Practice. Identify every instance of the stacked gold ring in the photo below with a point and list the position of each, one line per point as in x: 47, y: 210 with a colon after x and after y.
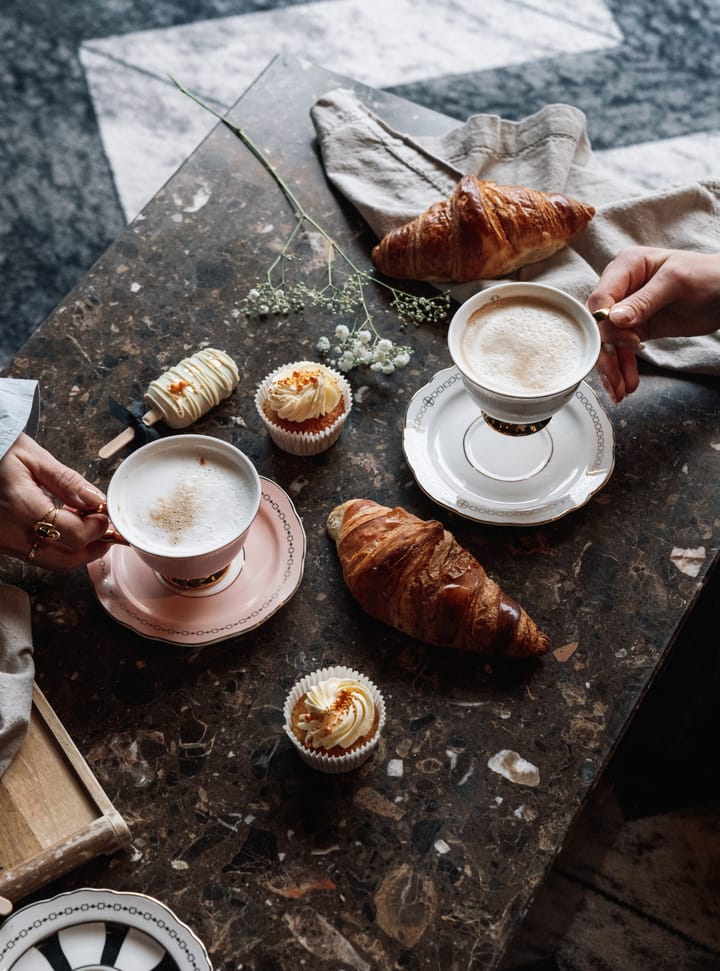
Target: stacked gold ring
x: 45, y: 528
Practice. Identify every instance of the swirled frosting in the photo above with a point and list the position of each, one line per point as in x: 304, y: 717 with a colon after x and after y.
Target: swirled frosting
x: 187, y: 391
x: 338, y: 712
x: 305, y: 392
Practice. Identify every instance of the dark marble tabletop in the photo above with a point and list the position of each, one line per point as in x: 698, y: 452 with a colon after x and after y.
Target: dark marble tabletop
x: 424, y: 857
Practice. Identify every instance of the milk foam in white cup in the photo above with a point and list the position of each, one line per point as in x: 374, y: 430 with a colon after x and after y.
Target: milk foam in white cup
x: 185, y: 504
x: 523, y: 349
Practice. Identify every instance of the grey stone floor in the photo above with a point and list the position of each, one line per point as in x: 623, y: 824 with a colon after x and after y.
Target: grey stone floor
x: 654, y: 902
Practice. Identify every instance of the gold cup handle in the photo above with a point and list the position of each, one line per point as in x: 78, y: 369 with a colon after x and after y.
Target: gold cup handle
x: 112, y: 536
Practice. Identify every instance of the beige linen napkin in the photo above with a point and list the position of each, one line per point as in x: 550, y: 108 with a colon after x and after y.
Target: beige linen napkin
x: 17, y: 671
x: 391, y: 178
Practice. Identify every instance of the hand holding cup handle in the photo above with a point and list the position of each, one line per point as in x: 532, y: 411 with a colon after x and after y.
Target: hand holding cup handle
x: 111, y: 535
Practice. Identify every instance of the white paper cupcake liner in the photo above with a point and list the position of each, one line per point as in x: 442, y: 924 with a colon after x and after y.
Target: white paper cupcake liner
x: 317, y: 758
x: 303, y: 443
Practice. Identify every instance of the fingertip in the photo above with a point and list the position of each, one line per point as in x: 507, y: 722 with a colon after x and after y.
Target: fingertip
x: 622, y: 315
x: 610, y: 390
x: 632, y: 383
x: 90, y: 499
x: 628, y: 370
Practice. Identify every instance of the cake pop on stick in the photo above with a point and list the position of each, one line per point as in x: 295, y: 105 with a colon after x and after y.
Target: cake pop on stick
x: 183, y: 394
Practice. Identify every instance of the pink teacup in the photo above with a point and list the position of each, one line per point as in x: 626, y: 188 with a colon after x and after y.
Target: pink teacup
x: 185, y: 505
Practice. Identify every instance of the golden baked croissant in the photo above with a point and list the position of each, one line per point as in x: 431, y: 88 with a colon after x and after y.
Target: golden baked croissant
x: 483, y: 231
x: 411, y: 573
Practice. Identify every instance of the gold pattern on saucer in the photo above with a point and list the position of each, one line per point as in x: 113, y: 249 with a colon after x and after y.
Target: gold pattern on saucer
x: 512, y: 429
x: 197, y: 584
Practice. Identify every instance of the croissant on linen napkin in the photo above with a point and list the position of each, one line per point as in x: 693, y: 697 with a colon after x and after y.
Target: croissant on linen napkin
x: 17, y: 671
x: 392, y: 178
x: 482, y: 230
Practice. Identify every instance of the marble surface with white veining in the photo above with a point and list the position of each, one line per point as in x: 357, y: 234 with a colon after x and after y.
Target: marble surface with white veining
x: 91, y: 130
x: 427, y: 856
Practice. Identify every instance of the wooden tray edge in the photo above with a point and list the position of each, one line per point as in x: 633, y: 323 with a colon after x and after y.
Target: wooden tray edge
x: 107, y: 833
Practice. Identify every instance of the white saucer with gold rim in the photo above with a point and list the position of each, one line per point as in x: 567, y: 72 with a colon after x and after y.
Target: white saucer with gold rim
x: 542, y: 478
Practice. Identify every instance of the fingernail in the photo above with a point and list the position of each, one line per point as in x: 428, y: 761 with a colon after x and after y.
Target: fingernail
x: 90, y: 496
x: 621, y: 314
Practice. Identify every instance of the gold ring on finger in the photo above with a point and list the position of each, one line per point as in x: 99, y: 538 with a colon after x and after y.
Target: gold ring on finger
x: 46, y: 528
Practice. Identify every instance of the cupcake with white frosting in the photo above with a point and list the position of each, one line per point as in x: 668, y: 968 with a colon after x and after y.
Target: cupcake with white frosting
x: 334, y: 718
x: 304, y: 406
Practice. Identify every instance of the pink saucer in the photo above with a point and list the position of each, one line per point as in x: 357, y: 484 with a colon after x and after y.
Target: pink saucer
x: 136, y: 596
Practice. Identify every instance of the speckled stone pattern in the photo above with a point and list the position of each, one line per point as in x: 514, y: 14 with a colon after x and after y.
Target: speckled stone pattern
x: 92, y: 128
x: 425, y: 857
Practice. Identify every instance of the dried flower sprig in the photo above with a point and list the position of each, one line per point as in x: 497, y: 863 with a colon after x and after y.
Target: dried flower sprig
x: 343, y: 291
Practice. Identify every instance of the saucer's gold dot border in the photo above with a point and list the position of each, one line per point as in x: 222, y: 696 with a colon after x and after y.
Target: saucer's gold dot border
x: 430, y: 399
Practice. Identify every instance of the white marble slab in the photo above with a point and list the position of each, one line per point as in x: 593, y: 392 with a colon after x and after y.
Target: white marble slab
x: 671, y: 161
x: 373, y: 41
x: 148, y: 127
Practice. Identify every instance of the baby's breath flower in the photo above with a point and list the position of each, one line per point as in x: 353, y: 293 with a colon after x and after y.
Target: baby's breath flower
x: 342, y: 292
x: 346, y: 361
x: 417, y: 310
x: 380, y: 354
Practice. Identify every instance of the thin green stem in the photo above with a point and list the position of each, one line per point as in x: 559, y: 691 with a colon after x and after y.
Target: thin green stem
x: 344, y: 290
x: 283, y: 254
x: 300, y: 210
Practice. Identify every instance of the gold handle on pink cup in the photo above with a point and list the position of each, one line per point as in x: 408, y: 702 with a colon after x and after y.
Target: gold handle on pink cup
x: 112, y: 536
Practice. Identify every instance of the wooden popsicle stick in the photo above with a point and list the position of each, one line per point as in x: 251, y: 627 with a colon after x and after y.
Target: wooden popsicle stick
x: 127, y: 435
x: 5, y: 907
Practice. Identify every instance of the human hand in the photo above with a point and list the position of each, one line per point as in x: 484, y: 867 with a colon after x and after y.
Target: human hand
x: 32, y: 482
x: 652, y: 293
